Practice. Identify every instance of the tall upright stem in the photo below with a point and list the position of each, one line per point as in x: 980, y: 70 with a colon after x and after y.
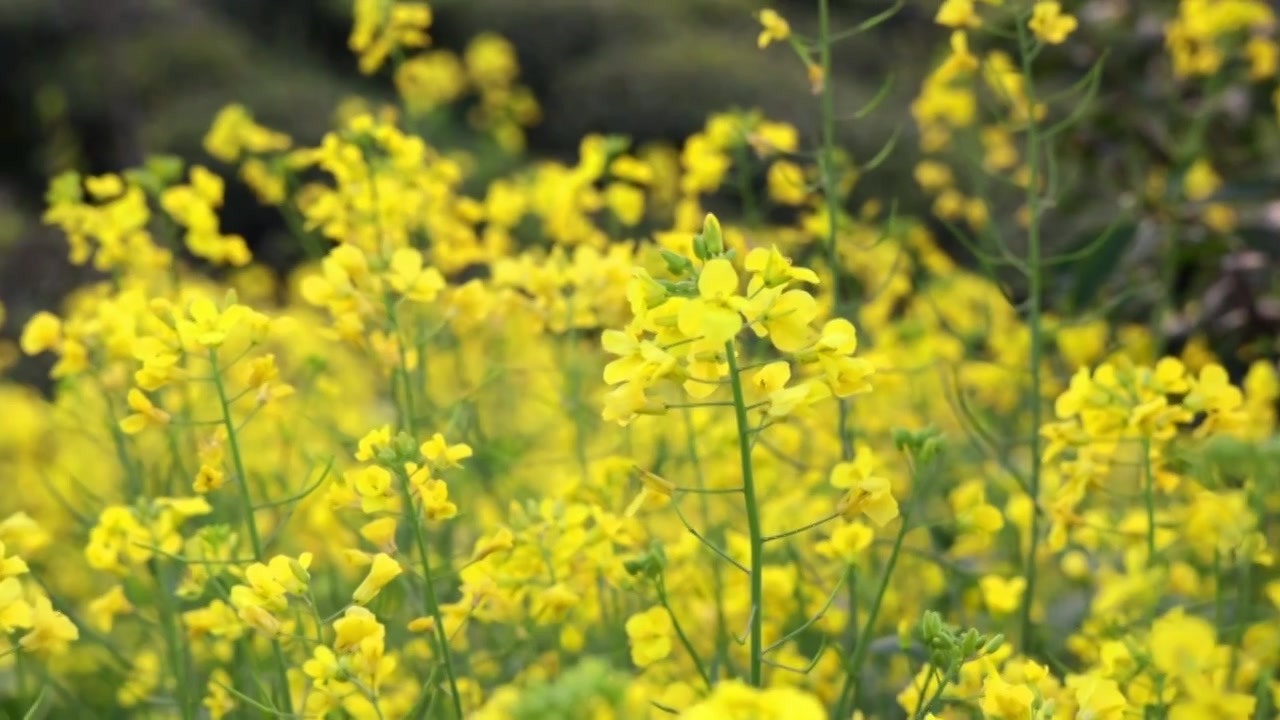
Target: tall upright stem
x: 1034, y: 280
x: 755, y: 536
x: 246, y: 498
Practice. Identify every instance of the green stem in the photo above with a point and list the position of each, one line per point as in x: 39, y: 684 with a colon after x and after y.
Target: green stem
x: 429, y: 593
x: 924, y: 708
x: 233, y: 443
x: 717, y: 575
x: 864, y: 640
x: 755, y: 536
x: 169, y: 626
x: 1035, y: 290
x: 246, y: 498
x: 1149, y: 497
x: 661, y: 587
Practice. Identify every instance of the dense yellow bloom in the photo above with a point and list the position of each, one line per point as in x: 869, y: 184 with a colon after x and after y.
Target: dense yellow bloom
x: 226, y: 454
x: 380, y: 28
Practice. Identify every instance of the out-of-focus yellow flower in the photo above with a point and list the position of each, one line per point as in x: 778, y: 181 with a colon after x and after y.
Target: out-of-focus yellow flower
x: 774, y: 28
x: 1049, y: 23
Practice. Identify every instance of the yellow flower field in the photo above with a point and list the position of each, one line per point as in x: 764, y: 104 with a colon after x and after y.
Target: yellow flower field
x: 563, y: 443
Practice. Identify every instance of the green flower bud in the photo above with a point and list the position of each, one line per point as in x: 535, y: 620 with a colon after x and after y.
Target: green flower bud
x: 712, y: 237
x: 700, y: 247
x: 678, y: 264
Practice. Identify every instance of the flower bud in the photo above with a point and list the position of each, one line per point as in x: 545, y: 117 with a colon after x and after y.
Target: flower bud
x: 712, y: 237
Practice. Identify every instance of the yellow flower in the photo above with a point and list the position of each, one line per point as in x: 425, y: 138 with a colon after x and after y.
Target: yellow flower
x: 103, y: 609
x: 144, y: 415
x: 1098, y: 698
x: 207, y: 327
x: 443, y: 455
x: 867, y: 493
x: 626, y: 201
x: 51, y: 631
x: 783, y: 317
x: 650, y: 634
x: 380, y: 28
x: 774, y: 28
x: 1181, y: 644
x: 1200, y: 181
x: 847, y: 543
x: 771, y: 381
x: 652, y: 486
x: 15, y: 613
x: 712, y: 315
x: 383, y: 571
x: 1004, y: 701
x: 957, y: 14
x: 43, y: 332
x: 356, y: 625
x: 372, y: 484
x: 786, y: 184
x: 1049, y: 23
x: 11, y: 565
x: 218, y: 700
x: 381, y: 533
x: 641, y: 361
x: 409, y: 278
x: 1002, y: 595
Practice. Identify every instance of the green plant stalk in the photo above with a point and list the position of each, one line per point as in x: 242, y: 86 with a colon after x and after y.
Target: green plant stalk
x: 432, y: 603
x: 827, y: 159
x: 242, y: 482
x: 1036, y: 330
x: 408, y: 413
x: 661, y: 587
x: 429, y: 593
x: 172, y: 643
x: 717, y: 574
x: 863, y: 644
x: 1149, y: 499
x: 169, y: 626
x: 755, y: 536
x: 924, y: 708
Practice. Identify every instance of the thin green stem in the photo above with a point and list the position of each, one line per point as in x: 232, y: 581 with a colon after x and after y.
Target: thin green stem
x: 1034, y: 271
x: 755, y: 536
x: 233, y: 442
x: 853, y: 669
x: 246, y: 499
x: 1149, y: 498
x: 924, y: 708
x: 802, y: 528
x: 661, y: 587
x: 429, y: 593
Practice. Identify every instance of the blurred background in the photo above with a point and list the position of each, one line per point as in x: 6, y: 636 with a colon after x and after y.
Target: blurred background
x: 95, y: 86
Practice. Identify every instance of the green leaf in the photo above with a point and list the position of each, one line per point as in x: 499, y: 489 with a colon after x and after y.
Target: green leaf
x: 33, y: 711
x: 1099, y: 253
